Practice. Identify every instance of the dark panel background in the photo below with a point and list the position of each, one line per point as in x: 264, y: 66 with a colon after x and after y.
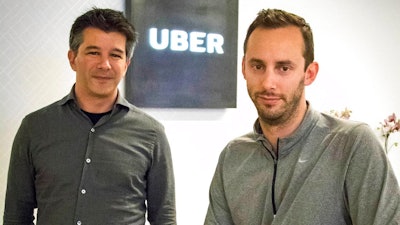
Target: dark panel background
x: 167, y: 79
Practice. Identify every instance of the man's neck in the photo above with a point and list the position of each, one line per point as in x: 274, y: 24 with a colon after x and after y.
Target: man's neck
x: 273, y: 132
x: 95, y: 104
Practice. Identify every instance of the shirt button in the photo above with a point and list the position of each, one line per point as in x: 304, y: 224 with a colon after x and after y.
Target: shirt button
x: 78, y: 222
x: 83, y: 191
x: 88, y: 160
x: 92, y: 130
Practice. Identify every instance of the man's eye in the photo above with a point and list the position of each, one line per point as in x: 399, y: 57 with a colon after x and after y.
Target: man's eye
x: 93, y: 53
x: 258, y: 67
x: 116, y: 56
x: 285, y: 68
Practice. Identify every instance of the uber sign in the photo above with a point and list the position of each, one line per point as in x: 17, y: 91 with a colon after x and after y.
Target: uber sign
x: 186, y: 56
x: 180, y: 41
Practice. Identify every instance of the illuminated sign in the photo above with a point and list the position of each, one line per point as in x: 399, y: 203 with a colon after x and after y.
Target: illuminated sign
x: 181, y: 41
x: 186, y: 56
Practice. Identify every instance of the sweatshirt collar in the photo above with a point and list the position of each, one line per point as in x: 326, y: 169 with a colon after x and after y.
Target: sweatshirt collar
x: 285, y: 144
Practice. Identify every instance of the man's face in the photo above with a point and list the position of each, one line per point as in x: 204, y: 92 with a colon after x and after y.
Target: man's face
x: 100, y: 63
x: 273, y: 67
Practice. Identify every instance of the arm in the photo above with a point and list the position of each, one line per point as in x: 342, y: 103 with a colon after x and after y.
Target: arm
x: 372, y: 190
x: 20, y: 195
x: 161, y: 185
x: 218, y: 212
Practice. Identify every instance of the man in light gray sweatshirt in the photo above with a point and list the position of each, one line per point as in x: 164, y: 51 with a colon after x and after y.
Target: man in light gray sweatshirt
x: 298, y: 166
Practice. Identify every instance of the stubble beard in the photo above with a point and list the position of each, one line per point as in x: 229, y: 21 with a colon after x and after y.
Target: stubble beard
x: 282, y: 114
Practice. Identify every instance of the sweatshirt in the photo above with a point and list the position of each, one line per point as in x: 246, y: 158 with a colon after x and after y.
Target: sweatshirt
x: 330, y: 171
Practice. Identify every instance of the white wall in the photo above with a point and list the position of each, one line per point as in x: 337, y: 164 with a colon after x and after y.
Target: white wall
x: 356, y: 44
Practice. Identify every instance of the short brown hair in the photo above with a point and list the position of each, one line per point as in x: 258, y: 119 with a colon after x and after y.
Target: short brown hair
x: 276, y: 18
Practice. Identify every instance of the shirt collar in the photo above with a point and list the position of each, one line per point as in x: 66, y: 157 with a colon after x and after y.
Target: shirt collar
x: 285, y: 144
x: 72, y: 97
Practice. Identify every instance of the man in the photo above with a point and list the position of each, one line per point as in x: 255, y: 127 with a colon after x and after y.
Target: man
x: 299, y: 166
x: 92, y: 157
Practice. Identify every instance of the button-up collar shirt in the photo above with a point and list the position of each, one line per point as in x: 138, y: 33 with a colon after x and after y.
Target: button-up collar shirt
x: 74, y: 172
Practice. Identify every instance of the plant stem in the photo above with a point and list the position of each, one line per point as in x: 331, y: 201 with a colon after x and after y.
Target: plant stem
x: 386, y: 143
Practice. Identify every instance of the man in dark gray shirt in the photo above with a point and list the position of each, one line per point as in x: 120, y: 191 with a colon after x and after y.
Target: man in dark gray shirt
x: 92, y: 157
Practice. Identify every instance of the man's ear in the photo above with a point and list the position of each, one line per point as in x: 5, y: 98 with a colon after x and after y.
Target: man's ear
x: 243, y: 67
x: 311, y: 73
x: 127, y: 65
x: 128, y: 62
x: 71, y: 59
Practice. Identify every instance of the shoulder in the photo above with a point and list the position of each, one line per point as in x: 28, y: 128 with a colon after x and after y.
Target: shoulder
x: 349, y: 134
x: 139, y: 118
x: 325, y: 123
x: 337, y: 125
x: 241, y: 146
x: 246, y: 139
x: 45, y: 113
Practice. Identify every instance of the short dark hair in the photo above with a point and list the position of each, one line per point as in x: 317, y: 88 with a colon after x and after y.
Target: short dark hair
x: 276, y: 18
x: 108, y: 20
